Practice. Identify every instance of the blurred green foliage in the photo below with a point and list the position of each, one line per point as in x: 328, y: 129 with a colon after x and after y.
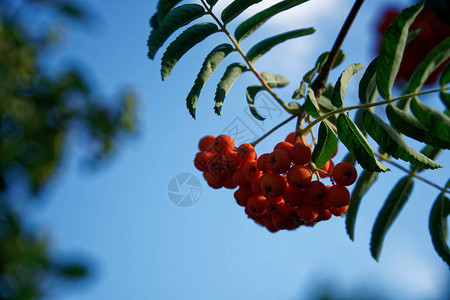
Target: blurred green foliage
x: 39, y: 110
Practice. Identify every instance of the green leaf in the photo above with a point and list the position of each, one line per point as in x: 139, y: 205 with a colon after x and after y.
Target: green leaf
x: 392, y: 142
x: 392, y: 47
x: 251, y: 94
x: 350, y: 158
x: 410, y: 126
x: 356, y: 143
x: 433, y: 60
x: 274, y: 80
x: 308, y: 77
x: 433, y: 120
x: 175, y: 19
x: 359, y: 121
x: 73, y: 271
x: 311, y: 105
x: 300, y: 92
x: 210, y: 64
x: 232, y: 73
x: 164, y: 7
x: 326, y: 145
x: 235, y: 8
x: 337, y: 99
x: 265, y: 45
x: 437, y: 224
x: 183, y: 43
x: 430, y: 152
x: 388, y: 213
x: 365, y: 181
x: 368, y: 83
x: 255, y: 21
x: 211, y: 2
x: 445, y: 78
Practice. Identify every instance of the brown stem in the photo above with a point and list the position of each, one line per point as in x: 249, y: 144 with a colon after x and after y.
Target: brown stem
x: 320, y: 83
x: 273, y: 129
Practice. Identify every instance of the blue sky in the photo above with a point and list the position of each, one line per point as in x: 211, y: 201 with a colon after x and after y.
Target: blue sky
x: 142, y: 246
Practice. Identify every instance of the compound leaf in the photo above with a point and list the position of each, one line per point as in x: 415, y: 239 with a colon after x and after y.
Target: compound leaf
x: 235, y: 8
x: 388, y: 213
x: 183, y: 43
x: 255, y: 21
x: 175, y: 19
x: 365, y: 181
x: 356, y: 143
x: 392, y: 48
x: 337, y: 99
x: 265, y: 45
x: 435, y: 121
x: 410, y: 126
x: 163, y: 8
x: 232, y: 73
x: 326, y: 145
x: 429, y: 151
x: 210, y: 64
x: 368, y: 83
x: 392, y: 142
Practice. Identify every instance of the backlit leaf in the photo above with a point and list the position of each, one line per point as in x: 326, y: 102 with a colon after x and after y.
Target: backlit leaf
x: 311, y: 105
x: 368, y: 83
x: 437, y: 224
x: 232, y: 73
x: 326, y: 145
x: 435, y: 121
x: 430, y: 152
x: 337, y: 99
x: 235, y: 8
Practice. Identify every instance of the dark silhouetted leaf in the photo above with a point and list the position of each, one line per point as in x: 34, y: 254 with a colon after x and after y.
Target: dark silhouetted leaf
x: 232, y: 73
x: 176, y: 18
x: 443, y: 81
x: 392, y: 142
x: 235, y: 8
x: 265, y: 45
x: 365, y: 181
x: 438, y: 123
x: 210, y: 64
x: 433, y: 60
x: 410, y: 126
x: 356, y: 143
x: 437, y: 224
x: 326, y: 145
x: 211, y: 2
x: 183, y: 43
x: 388, y: 213
x: 255, y: 21
x: 73, y: 271
x: 368, y: 84
x: 337, y: 99
x: 163, y: 8
x: 392, y: 47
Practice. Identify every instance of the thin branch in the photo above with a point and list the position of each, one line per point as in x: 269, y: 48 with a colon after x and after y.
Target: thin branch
x: 273, y: 129
x: 320, y: 83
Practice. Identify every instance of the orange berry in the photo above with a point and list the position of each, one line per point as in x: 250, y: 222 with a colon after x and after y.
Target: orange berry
x: 283, y: 146
x: 281, y: 221
x: 262, y: 163
x: 215, y: 163
x: 338, y: 196
x: 278, y: 161
x: 294, y: 197
x: 315, y: 192
x: 257, y: 204
x: 250, y: 170
x: 298, y: 176
x: 307, y: 211
x: 328, y: 167
x: 274, y: 204
x: 206, y: 143
x: 241, y: 195
x: 223, y: 144
x: 214, y: 180
x: 231, y: 161
x: 239, y: 177
x: 201, y: 160
x: 300, y: 154
x: 344, y: 174
x: 246, y: 152
x: 338, y: 211
x: 272, y: 185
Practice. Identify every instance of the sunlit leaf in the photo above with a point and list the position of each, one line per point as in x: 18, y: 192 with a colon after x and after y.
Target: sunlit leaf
x: 308, y: 77
x: 311, y: 105
x: 356, y: 143
x: 175, y: 19
x: 410, y: 126
x: 392, y: 142
x: 365, y: 181
x: 437, y: 224
x: 392, y: 47
x: 337, y: 99
x: 388, y: 213
x: 235, y: 8
x: 326, y: 145
x: 368, y: 84
x: 273, y: 80
x: 435, y: 121
x: 265, y: 45
x: 255, y: 21
x: 210, y: 64
x: 232, y: 73
x: 433, y: 60
x: 183, y: 43
x: 300, y: 92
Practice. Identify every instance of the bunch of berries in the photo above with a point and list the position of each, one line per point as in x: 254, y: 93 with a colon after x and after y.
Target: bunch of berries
x: 277, y: 189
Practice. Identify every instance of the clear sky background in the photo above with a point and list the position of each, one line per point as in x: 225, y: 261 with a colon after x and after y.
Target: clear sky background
x: 119, y: 218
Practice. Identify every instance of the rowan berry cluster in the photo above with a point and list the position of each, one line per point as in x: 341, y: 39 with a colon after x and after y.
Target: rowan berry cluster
x: 277, y: 189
